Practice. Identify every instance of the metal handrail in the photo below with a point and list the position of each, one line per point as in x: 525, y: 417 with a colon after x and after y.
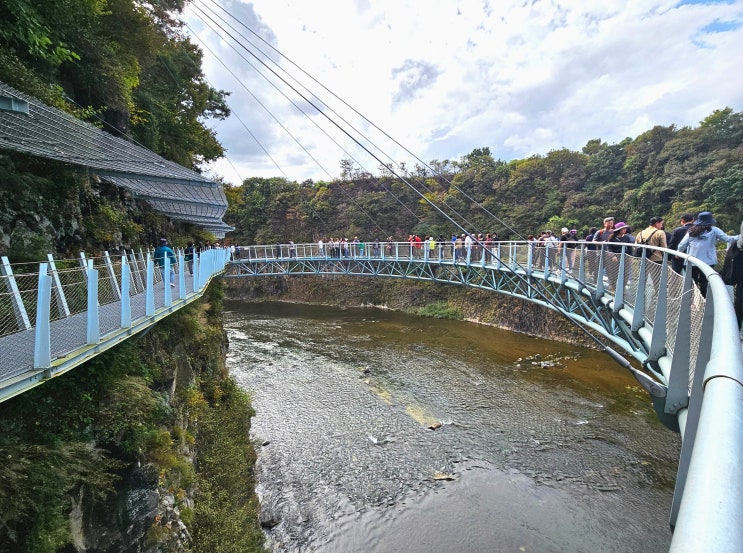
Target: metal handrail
x: 66, y: 312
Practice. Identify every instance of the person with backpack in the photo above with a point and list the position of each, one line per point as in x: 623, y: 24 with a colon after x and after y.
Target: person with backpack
x: 653, y: 235
x: 601, y: 235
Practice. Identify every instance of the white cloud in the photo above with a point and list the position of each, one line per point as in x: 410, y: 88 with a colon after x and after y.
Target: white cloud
x: 443, y: 78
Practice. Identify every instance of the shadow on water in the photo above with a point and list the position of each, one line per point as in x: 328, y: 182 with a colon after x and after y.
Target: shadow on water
x: 379, y: 431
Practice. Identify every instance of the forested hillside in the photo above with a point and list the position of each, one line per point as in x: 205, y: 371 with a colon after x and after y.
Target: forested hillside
x: 665, y: 172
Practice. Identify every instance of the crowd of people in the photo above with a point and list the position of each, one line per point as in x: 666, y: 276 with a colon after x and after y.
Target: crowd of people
x: 696, y: 235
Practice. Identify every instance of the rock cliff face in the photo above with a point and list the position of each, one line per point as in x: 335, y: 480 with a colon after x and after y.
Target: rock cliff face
x: 49, y: 208
x: 474, y: 305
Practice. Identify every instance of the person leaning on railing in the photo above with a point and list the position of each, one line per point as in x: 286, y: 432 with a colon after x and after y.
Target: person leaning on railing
x: 701, y: 242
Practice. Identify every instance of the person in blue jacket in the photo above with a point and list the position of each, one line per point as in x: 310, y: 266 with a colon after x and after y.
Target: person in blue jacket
x: 161, y: 252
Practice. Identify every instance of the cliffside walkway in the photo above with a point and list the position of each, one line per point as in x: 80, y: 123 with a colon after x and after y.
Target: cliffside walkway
x: 56, y: 315
x: 686, y: 347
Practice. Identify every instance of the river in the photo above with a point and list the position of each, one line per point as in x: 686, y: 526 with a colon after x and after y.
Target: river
x: 378, y: 431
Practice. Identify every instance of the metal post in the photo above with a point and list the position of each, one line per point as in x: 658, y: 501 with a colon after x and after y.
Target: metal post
x: 136, y: 271
x: 181, y: 276
x: 43, y: 338
x: 638, y: 313
x: 112, y: 275
x: 677, y: 395
x: 63, y: 309
x: 168, y: 294
x: 619, y: 290
x: 150, y: 287
x: 126, y: 300
x: 563, y: 264
x: 600, y: 275
x: 658, y: 341
x: 94, y: 330
x: 196, y: 271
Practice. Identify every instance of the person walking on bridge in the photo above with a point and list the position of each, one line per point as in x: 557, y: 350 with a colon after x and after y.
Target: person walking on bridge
x: 161, y: 252
x: 677, y: 235
x: 653, y: 235
x: 189, y: 257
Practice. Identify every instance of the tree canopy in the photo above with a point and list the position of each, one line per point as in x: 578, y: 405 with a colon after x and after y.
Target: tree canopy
x: 123, y: 64
x: 665, y: 171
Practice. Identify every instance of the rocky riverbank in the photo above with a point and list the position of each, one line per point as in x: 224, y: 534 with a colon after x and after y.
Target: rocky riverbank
x: 422, y: 298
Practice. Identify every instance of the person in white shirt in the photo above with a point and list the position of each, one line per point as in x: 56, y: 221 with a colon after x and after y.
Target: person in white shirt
x: 468, y: 247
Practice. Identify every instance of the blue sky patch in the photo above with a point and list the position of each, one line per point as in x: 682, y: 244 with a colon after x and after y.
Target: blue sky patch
x: 721, y: 26
x: 705, y: 2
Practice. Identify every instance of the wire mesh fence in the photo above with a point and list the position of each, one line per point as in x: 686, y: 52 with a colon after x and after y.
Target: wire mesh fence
x: 579, y: 263
x: 69, y: 287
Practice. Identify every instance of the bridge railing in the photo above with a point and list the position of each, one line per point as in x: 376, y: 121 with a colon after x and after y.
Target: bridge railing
x: 56, y: 314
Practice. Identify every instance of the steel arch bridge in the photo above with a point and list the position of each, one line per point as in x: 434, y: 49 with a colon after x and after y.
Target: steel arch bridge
x: 687, y: 345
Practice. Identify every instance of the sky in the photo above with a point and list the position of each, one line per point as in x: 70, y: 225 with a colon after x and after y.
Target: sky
x: 399, y: 81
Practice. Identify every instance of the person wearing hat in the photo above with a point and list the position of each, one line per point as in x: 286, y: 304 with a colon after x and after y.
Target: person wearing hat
x: 161, y: 252
x: 614, y: 250
x: 701, y: 242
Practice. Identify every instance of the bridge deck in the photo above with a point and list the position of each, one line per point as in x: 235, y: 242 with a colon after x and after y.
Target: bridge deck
x: 66, y: 331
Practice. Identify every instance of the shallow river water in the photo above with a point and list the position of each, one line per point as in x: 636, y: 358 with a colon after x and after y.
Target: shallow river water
x: 378, y: 431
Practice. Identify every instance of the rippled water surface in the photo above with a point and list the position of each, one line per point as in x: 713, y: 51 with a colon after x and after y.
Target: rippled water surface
x: 382, y: 432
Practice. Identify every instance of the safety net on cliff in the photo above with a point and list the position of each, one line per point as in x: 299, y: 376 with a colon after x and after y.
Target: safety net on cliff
x: 30, y: 126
